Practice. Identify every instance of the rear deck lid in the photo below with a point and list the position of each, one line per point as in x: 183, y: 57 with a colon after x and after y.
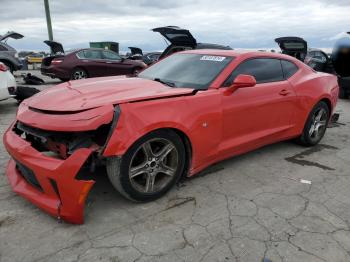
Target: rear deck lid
x: 176, y: 35
x: 135, y: 50
x: 56, y: 47
x: 11, y: 34
x: 291, y: 43
x: 293, y: 46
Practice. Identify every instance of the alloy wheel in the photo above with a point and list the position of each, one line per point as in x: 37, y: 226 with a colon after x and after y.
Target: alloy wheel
x: 153, y: 165
x: 318, y: 125
x: 79, y: 74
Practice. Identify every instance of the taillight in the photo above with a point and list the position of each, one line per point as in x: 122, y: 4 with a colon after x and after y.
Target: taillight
x: 3, y: 67
x: 56, y: 61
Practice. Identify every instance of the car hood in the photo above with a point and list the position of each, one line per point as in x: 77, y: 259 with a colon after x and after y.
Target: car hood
x: 91, y: 93
x: 11, y: 34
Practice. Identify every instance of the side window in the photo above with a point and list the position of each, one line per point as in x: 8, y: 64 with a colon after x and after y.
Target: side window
x: 263, y: 69
x: 111, y: 55
x: 81, y: 55
x: 289, y: 68
x: 92, y: 54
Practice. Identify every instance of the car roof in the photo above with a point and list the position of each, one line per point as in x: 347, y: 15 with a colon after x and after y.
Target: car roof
x: 76, y: 50
x: 212, y: 46
x: 239, y: 53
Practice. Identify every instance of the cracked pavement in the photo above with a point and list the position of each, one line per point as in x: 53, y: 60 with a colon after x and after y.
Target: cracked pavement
x: 245, y: 208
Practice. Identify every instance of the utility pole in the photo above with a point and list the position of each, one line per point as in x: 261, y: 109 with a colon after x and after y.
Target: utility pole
x: 48, y: 19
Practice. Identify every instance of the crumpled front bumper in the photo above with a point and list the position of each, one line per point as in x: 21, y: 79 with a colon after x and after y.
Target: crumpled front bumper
x: 57, y: 191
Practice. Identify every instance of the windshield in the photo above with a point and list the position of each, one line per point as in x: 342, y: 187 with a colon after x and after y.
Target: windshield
x: 187, y: 70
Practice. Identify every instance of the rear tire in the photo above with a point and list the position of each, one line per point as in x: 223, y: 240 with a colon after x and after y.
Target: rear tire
x: 315, y: 126
x: 150, y: 167
x: 79, y: 73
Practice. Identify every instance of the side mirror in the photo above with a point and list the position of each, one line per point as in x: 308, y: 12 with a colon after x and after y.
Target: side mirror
x: 241, y: 81
x: 122, y: 60
x: 244, y: 81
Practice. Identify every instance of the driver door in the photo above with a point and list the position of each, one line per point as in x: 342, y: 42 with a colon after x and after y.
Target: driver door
x: 258, y: 115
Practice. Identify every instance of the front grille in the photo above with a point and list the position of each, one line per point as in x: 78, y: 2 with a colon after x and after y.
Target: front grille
x: 28, y: 175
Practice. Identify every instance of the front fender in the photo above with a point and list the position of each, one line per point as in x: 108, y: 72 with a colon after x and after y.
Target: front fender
x: 198, y: 116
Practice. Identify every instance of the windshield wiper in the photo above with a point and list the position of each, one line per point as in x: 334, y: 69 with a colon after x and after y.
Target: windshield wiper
x: 165, y: 82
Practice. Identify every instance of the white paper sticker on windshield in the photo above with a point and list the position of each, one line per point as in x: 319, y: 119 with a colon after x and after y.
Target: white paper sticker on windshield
x: 213, y: 58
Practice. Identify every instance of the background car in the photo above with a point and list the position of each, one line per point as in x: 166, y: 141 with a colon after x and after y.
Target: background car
x: 319, y: 61
x: 341, y: 62
x: 151, y: 57
x: 176, y: 118
x: 85, y: 63
x: 8, y: 55
x: 148, y: 58
x: 293, y: 46
x: 337, y: 63
x: 181, y: 39
x: 7, y: 83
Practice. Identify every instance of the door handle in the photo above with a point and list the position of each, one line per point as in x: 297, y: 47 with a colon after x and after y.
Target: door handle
x: 284, y: 92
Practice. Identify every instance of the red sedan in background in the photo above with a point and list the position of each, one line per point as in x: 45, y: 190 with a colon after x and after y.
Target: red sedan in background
x: 176, y: 118
x: 85, y: 63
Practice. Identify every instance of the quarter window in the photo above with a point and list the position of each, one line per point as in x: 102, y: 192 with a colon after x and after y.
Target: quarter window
x: 263, y: 69
x: 81, y: 54
x: 289, y: 68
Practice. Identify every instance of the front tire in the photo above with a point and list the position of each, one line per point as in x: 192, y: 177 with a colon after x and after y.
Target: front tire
x: 316, y: 125
x: 150, y: 167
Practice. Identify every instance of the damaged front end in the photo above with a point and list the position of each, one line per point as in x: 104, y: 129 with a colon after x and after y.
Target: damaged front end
x: 51, y: 168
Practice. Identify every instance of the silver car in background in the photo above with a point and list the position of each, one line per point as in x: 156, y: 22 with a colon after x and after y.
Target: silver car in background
x: 8, y: 55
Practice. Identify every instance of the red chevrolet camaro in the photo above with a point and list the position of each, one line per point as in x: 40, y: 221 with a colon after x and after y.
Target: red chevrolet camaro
x: 176, y: 118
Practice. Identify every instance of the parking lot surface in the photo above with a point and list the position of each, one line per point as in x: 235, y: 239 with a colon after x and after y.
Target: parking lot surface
x: 245, y: 208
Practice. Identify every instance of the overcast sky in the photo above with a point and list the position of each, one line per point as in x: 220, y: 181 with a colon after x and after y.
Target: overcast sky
x: 244, y: 24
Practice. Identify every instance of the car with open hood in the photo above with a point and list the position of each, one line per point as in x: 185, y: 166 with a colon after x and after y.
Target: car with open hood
x: 337, y: 63
x: 86, y: 63
x: 9, y: 55
x: 181, y: 39
x: 135, y: 53
x: 293, y: 46
x: 151, y: 57
x: 174, y: 119
x: 298, y: 48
